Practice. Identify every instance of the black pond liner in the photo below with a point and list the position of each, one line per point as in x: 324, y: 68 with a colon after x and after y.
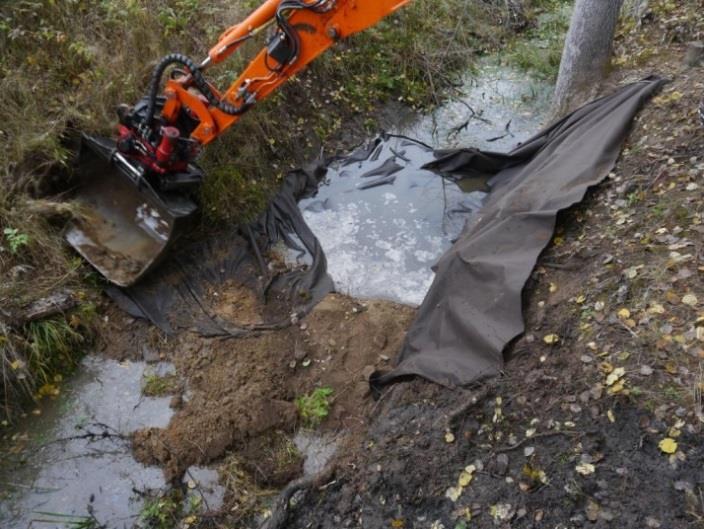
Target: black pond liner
x: 473, y: 308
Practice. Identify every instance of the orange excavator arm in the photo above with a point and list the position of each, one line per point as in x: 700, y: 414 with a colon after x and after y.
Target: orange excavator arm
x: 138, y: 202
x: 302, y: 30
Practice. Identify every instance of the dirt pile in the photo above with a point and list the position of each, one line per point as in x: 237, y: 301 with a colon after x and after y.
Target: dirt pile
x: 241, y: 393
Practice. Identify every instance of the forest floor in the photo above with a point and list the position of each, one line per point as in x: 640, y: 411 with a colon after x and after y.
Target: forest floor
x: 596, y: 421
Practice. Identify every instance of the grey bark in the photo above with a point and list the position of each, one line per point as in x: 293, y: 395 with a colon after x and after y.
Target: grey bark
x: 587, y: 52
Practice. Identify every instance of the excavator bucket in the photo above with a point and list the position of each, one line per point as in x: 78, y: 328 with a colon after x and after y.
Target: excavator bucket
x: 125, y: 227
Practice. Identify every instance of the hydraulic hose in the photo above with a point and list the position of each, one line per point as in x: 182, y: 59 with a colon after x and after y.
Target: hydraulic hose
x: 198, y: 80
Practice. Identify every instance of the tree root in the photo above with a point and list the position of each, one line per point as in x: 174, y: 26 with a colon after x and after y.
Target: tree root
x: 281, y: 507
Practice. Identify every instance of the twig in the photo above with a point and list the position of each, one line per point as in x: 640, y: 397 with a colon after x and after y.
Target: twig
x: 280, y: 508
x: 471, y: 401
x: 537, y: 436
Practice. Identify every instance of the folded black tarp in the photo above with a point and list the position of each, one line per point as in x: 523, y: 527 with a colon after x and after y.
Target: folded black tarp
x: 473, y: 308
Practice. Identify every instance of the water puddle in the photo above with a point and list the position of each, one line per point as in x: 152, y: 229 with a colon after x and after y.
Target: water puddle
x: 496, y: 109
x: 383, y: 221
x: 77, y: 456
x: 317, y: 450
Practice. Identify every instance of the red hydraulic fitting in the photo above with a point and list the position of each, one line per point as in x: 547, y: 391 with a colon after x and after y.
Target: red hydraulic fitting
x: 167, y: 145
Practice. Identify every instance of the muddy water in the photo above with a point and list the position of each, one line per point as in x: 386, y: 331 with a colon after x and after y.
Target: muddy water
x: 77, y: 455
x: 382, y: 233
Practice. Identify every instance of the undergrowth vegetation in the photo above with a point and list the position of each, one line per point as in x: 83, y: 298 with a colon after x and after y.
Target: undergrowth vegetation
x: 539, y: 50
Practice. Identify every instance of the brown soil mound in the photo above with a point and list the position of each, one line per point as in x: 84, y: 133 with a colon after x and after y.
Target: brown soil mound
x: 241, y: 392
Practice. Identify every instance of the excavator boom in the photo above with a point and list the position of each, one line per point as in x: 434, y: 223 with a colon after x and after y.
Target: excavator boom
x: 138, y: 191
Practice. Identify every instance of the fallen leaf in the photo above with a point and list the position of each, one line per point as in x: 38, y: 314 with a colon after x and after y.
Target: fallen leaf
x: 17, y: 364
x: 611, y: 416
x: 585, y: 469
x: 453, y: 493
x: 464, y: 479
x: 624, y: 313
x: 449, y: 437
x: 551, y: 339
x: 553, y: 288
x: 690, y: 300
x: 615, y: 375
x: 656, y: 308
x: 668, y: 445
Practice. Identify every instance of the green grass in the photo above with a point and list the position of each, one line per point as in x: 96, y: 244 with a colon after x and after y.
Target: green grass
x: 314, y: 407
x: 539, y: 49
x: 162, y: 512
x: 158, y: 386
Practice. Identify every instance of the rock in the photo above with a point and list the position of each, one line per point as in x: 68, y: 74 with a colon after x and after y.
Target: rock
x: 652, y: 523
x: 501, y: 464
x: 149, y: 355
x: 695, y: 54
x: 299, y: 352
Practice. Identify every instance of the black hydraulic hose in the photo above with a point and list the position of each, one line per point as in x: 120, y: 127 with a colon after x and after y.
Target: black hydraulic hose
x: 198, y: 80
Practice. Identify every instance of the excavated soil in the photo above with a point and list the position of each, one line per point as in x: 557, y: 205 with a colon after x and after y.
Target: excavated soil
x: 241, y: 392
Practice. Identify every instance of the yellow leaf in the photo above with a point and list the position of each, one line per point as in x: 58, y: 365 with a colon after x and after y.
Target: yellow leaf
x: 656, y: 308
x: 615, y: 375
x: 449, y: 437
x: 453, y: 493
x: 668, y: 445
x: 690, y: 300
x: 671, y: 367
x: 464, y: 479
x: 616, y: 388
x: 585, y: 469
x: 553, y: 288
x: 611, y: 416
x: 581, y: 299
x: 398, y: 523
x: 606, y: 367
x: 17, y: 364
x: 624, y: 314
x: 551, y: 339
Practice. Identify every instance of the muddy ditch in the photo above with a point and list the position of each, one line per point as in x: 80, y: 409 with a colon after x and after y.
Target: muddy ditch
x: 226, y: 429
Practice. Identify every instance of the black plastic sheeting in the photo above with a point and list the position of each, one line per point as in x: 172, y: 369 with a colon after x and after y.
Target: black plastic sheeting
x: 473, y: 309
x: 182, y: 293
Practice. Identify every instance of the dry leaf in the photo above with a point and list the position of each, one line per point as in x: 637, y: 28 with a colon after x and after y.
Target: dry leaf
x: 551, y: 339
x: 668, y: 445
x: 585, y: 469
x: 690, y: 299
x: 615, y: 375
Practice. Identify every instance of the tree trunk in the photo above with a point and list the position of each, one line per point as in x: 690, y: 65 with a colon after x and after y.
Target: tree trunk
x: 587, y: 52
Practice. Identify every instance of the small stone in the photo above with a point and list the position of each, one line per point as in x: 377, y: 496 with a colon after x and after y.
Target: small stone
x: 501, y: 464
x: 646, y: 371
x: 684, y: 486
x: 695, y: 54
x: 529, y: 451
x: 652, y: 523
